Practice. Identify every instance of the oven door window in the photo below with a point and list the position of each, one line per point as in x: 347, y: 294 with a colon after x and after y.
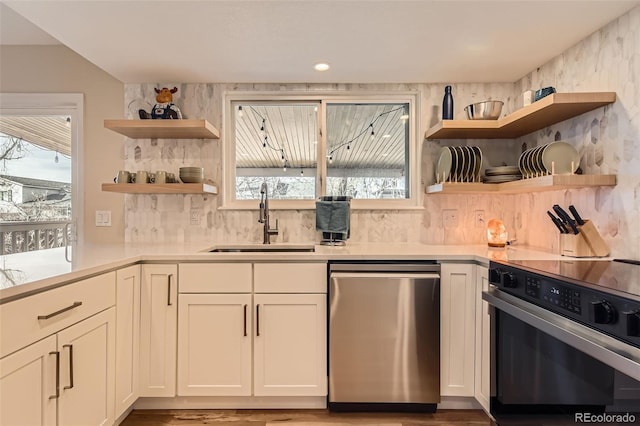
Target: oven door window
x: 535, y: 370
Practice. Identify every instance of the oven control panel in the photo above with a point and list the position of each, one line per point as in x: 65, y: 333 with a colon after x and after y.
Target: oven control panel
x: 553, y: 294
x: 561, y: 296
x: 610, y: 314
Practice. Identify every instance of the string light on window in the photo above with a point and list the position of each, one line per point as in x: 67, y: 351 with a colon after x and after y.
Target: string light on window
x: 301, y: 172
x: 404, y: 117
x: 68, y: 122
x: 265, y: 141
x: 56, y: 159
x: 365, y: 130
x: 240, y: 113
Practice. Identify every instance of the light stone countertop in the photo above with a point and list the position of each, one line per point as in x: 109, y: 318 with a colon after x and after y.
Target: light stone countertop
x: 27, y: 273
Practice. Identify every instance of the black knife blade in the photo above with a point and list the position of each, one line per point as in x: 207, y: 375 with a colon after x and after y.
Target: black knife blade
x: 557, y: 222
x: 564, y: 216
x: 576, y: 216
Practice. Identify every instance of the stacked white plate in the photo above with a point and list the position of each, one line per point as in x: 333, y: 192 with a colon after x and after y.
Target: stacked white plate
x: 459, y: 164
x: 501, y: 174
x: 558, y: 158
x: 192, y: 174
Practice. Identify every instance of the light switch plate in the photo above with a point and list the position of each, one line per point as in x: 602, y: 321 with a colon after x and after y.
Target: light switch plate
x: 103, y: 217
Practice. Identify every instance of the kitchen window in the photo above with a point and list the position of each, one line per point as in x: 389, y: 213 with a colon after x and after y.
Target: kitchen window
x: 305, y: 147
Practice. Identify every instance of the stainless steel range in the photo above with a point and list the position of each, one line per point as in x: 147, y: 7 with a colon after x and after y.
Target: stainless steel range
x: 565, y: 338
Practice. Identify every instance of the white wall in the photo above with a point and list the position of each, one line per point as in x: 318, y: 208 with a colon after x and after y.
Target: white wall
x: 57, y: 69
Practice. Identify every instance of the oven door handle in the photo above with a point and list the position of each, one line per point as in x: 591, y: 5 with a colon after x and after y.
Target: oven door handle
x: 619, y: 355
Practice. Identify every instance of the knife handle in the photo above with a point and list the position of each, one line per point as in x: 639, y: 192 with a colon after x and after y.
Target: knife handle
x: 558, y: 223
x: 565, y: 218
x: 576, y: 216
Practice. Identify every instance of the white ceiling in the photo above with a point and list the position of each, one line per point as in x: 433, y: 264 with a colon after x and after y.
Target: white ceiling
x: 365, y: 41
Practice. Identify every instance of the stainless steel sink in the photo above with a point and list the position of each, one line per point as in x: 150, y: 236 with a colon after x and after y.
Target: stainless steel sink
x: 264, y: 248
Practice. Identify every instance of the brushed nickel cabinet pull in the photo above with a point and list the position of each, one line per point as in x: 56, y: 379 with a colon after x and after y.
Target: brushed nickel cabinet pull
x: 169, y: 289
x: 245, y: 320
x: 57, y: 394
x: 258, y: 320
x: 63, y: 310
x: 70, y: 366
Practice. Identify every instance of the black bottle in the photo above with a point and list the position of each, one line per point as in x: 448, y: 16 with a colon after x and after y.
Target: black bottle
x: 447, y: 104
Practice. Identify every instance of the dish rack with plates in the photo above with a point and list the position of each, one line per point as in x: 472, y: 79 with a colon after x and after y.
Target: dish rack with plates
x: 459, y: 164
x: 555, y: 158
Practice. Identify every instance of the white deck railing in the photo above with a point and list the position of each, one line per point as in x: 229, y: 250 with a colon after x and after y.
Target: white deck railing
x: 18, y: 237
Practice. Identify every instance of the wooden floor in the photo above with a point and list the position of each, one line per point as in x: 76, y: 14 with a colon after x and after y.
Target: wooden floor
x: 301, y: 418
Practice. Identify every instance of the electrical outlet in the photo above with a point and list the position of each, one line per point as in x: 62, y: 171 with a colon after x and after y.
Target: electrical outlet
x: 195, y: 217
x: 103, y: 217
x: 479, y: 219
x: 450, y: 218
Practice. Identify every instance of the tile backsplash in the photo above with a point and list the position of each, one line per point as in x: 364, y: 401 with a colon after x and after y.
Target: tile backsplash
x: 608, y: 140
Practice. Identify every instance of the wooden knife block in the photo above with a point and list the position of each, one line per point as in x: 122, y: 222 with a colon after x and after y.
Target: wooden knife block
x: 586, y: 243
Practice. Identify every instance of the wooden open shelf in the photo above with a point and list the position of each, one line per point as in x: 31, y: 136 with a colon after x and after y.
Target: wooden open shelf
x: 160, y: 188
x: 163, y: 129
x: 543, y: 113
x: 543, y: 183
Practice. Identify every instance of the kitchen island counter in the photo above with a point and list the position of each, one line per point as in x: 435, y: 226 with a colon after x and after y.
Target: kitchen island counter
x: 27, y: 273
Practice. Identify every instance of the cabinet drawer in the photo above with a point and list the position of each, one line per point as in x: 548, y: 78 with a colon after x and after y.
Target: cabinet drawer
x: 290, y: 277
x: 214, y: 278
x: 57, y: 309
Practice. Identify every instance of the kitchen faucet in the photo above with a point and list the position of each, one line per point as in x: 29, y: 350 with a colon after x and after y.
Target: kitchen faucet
x: 264, y: 215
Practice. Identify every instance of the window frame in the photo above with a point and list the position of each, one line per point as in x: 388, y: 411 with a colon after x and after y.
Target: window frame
x: 414, y: 202
x: 72, y: 105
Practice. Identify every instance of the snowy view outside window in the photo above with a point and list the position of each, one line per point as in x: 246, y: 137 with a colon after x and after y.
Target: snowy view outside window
x: 35, y: 182
x: 366, y: 153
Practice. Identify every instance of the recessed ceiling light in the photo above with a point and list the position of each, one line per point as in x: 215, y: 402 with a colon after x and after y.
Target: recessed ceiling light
x: 321, y: 66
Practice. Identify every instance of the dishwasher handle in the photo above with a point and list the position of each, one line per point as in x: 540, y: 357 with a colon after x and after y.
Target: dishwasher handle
x: 420, y: 275
x: 384, y: 267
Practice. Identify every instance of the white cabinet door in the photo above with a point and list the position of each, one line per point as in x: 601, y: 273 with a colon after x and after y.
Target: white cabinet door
x: 87, y: 364
x: 457, y: 329
x: 483, y: 340
x: 28, y: 385
x: 290, y: 352
x: 214, y: 344
x: 158, y: 327
x: 127, y: 337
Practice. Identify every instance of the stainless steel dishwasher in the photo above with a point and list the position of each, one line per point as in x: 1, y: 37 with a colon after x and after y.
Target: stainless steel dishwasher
x: 384, y: 337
